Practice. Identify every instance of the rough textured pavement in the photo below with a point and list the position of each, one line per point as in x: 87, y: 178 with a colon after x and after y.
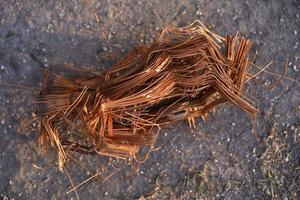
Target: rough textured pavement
x: 229, y: 156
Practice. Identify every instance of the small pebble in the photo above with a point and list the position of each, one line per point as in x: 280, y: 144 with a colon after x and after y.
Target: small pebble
x: 104, y: 48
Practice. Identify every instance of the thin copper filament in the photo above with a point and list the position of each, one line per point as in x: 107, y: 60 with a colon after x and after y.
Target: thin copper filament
x: 184, y: 74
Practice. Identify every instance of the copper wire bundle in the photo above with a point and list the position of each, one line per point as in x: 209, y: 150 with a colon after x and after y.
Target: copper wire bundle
x: 184, y: 74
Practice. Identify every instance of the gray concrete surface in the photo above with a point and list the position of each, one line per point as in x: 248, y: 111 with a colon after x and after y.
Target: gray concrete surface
x: 227, y: 157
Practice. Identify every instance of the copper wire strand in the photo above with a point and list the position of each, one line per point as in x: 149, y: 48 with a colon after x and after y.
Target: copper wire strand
x: 184, y: 74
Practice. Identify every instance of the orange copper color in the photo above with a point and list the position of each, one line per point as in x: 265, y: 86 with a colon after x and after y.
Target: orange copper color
x: 184, y: 74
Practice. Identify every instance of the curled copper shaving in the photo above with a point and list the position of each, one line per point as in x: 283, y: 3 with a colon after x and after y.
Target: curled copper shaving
x: 184, y: 74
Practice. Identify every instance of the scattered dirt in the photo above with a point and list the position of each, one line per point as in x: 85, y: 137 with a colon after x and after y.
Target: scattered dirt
x: 228, y: 156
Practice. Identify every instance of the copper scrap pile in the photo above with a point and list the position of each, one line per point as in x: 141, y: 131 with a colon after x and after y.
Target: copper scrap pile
x: 184, y: 74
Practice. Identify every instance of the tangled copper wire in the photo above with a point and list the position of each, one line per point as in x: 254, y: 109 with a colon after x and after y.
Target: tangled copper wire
x: 184, y: 74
